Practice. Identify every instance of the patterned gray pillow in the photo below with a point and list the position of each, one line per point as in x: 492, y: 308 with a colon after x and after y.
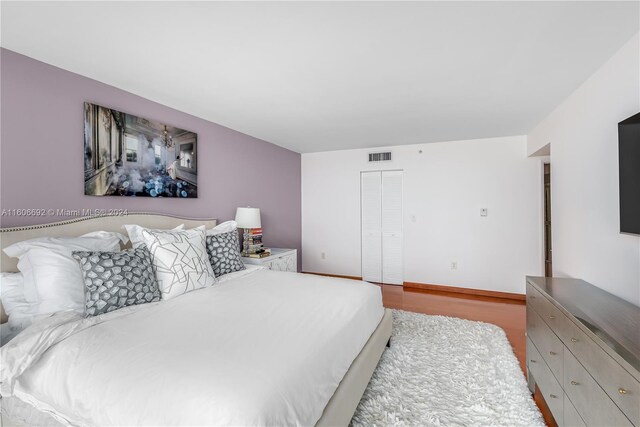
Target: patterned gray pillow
x: 224, y: 254
x: 117, y: 279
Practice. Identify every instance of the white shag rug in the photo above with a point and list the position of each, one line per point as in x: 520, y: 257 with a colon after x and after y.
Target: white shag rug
x: 444, y: 371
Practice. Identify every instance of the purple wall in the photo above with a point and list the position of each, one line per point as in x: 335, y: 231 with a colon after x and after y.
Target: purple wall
x: 41, y: 155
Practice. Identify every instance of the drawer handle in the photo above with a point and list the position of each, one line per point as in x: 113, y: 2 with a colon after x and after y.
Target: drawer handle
x: 553, y: 396
x: 533, y: 361
x: 574, y: 340
x: 552, y: 317
x: 533, y: 297
x: 553, y: 353
x: 622, y: 391
x: 574, y: 383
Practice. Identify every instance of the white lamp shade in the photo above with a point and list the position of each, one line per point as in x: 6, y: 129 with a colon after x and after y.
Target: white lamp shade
x: 248, y: 218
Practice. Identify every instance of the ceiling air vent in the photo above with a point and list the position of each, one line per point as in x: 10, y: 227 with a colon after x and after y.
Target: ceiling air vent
x: 380, y: 157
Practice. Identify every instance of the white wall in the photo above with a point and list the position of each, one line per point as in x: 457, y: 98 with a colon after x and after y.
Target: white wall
x: 444, y: 189
x: 583, y: 134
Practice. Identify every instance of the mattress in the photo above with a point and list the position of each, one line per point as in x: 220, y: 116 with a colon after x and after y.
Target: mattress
x: 263, y: 348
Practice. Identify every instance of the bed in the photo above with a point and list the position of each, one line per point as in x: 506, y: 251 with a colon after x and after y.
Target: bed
x: 258, y: 348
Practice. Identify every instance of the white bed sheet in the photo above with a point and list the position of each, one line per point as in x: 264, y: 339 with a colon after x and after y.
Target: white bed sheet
x: 248, y: 269
x: 16, y: 413
x: 264, y: 348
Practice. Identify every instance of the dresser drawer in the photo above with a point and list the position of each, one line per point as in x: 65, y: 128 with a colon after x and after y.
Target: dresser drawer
x: 549, y: 387
x: 591, y: 402
x: 536, y: 300
x: 621, y: 387
x: 551, y: 315
x: 547, y: 343
x: 571, y: 417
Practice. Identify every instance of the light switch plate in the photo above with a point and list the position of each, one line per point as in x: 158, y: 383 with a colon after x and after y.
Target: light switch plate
x: 484, y: 212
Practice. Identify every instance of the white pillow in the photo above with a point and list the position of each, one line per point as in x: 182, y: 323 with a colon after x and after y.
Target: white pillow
x: 181, y: 260
x: 225, y: 227
x: 19, y: 310
x: 135, y: 233
x: 52, y: 278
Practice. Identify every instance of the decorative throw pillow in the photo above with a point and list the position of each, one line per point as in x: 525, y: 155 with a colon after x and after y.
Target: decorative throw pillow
x: 117, y: 279
x: 52, y: 280
x: 224, y: 254
x: 135, y: 233
x: 180, y: 259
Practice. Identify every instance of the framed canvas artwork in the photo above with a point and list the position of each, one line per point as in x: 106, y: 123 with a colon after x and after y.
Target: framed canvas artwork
x: 127, y: 155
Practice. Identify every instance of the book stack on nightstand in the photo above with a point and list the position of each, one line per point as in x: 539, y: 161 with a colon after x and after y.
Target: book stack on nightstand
x: 253, y: 243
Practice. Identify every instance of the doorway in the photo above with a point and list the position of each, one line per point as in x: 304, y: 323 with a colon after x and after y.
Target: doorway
x: 548, y: 265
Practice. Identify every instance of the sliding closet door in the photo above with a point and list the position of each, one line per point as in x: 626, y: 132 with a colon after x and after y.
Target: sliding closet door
x: 392, y: 237
x: 371, y: 223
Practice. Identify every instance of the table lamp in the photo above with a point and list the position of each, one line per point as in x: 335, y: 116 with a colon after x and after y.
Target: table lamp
x: 247, y: 218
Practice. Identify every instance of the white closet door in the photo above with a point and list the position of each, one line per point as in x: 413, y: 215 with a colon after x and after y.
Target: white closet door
x: 392, y: 236
x: 371, y: 221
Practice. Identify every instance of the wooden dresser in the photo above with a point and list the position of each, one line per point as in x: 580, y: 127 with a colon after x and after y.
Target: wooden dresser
x: 583, y: 352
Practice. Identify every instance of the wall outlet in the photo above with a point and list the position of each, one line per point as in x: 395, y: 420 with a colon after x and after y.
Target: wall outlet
x: 454, y: 265
x: 323, y: 255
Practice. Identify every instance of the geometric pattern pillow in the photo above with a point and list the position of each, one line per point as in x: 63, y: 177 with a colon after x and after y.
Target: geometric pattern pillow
x: 180, y: 260
x: 115, y: 280
x: 224, y: 254
x: 135, y: 233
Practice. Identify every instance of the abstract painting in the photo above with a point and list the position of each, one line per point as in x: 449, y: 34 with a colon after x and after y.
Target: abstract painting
x: 126, y: 155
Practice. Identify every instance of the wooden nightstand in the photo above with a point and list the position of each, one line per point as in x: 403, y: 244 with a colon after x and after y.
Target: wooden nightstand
x: 279, y: 260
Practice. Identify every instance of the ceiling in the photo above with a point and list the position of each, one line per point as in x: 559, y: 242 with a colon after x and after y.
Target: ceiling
x: 317, y: 76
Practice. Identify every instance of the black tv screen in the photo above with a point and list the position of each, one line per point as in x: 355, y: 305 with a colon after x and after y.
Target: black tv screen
x: 629, y: 164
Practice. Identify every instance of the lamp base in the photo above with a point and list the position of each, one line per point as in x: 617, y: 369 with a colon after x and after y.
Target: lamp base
x: 245, y: 241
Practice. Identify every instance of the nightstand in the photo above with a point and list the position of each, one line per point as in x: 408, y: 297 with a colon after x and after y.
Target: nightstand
x: 279, y: 260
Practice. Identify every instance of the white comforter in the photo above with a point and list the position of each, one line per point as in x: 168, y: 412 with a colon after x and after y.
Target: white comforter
x: 267, y: 348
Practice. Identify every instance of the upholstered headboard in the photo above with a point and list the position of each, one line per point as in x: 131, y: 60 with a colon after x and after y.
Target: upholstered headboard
x: 79, y: 226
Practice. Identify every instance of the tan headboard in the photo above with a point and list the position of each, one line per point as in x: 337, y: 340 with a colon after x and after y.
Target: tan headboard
x: 79, y: 226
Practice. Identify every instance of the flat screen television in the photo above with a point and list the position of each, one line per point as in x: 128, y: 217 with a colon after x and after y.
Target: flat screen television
x: 629, y: 166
